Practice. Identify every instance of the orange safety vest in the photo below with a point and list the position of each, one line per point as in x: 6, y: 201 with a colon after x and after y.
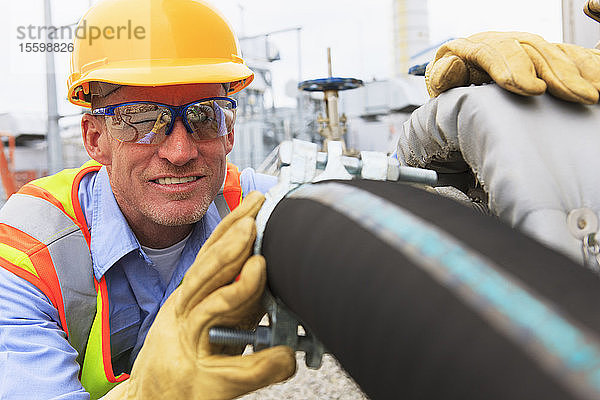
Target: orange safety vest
x: 44, y: 239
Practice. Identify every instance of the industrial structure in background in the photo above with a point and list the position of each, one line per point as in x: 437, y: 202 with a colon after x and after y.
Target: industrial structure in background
x: 411, y: 34
x: 374, y: 113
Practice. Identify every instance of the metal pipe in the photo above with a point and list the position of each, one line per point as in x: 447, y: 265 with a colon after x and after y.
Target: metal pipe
x: 271, y: 33
x: 329, y: 69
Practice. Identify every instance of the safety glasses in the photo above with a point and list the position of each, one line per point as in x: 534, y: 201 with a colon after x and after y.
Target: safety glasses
x: 147, y: 122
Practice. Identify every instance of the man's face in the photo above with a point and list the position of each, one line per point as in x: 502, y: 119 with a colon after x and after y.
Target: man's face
x: 135, y: 169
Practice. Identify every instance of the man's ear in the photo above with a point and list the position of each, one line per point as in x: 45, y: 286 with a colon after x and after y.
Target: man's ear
x: 95, y: 139
x: 229, y: 142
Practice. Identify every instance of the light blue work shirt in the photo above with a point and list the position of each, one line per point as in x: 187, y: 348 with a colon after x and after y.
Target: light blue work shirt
x: 36, y: 361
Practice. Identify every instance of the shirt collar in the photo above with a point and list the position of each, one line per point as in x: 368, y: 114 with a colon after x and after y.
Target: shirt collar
x: 111, y: 237
x: 201, y: 231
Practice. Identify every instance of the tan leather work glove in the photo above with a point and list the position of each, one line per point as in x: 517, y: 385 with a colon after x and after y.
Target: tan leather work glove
x: 520, y: 62
x: 176, y: 360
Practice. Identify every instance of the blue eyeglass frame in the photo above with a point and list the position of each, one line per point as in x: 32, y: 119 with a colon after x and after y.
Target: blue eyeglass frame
x: 176, y: 111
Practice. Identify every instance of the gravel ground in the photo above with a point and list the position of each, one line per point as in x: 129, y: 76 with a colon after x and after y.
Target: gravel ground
x: 330, y: 382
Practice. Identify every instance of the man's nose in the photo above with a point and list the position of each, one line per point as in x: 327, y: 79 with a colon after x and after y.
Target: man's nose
x: 179, y: 147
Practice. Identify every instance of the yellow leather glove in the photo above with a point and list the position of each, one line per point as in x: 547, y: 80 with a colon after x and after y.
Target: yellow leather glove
x: 176, y: 360
x: 520, y: 62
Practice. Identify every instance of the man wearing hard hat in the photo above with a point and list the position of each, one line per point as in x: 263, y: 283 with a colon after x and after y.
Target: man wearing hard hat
x: 109, y: 280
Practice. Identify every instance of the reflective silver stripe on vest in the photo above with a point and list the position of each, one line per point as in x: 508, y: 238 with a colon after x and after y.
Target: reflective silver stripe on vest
x: 70, y: 255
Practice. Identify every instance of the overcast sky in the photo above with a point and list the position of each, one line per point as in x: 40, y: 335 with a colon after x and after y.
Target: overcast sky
x: 358, y: 32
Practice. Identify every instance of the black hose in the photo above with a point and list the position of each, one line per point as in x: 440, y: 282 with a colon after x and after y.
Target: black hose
x: 419, y: 297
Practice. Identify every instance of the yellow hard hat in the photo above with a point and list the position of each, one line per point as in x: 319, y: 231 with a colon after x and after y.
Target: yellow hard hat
x: 154, y: 43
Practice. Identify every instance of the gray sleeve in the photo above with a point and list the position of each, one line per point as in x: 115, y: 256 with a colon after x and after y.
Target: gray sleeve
x: 536, y: 157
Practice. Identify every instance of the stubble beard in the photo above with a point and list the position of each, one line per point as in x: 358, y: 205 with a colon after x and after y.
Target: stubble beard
x: 172, y: 214
x: 161, y: 216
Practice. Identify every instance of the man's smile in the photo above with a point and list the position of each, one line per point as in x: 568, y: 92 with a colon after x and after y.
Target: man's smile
x: 175, y: 180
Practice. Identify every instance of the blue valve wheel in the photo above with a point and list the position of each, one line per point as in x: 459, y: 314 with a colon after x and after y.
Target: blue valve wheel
x: 323, y: 84
x: 418, y: 70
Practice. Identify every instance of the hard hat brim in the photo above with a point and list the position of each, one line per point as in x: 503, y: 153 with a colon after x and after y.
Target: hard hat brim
x: 162, y: 73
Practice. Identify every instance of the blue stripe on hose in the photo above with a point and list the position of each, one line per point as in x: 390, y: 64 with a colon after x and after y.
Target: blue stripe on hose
x: 568, y: 351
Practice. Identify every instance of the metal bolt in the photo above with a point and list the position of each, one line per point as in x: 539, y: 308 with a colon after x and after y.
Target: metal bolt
x: 260, y: 338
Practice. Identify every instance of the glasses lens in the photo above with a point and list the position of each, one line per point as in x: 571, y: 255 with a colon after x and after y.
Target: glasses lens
x: 142, y: 123
x: 210, y: 119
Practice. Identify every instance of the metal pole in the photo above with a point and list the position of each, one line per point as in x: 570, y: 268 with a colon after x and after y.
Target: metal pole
x: 299, y: 37
x: 300, y: 98
x: 55, y: 161
x: 568, y: 31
